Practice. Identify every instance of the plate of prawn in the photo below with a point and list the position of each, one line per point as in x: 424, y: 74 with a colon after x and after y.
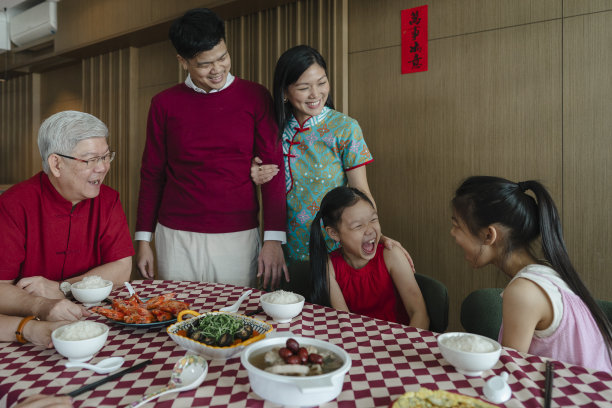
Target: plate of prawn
x: 143, y: 313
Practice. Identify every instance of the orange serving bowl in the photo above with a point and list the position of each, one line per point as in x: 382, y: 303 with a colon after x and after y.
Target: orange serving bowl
x: 213, y: 352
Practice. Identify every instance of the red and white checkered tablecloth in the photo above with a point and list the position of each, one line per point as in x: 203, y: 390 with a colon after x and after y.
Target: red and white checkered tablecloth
x: 388, y: 359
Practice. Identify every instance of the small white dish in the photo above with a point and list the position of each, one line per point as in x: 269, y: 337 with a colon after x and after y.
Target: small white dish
x: 281, y: 312
x: 469, y: 363
x: 79, y: 350
x: 497, y: 390
x: 91, y: 296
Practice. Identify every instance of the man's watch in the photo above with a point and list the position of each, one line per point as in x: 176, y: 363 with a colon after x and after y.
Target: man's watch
x: 65, y: 288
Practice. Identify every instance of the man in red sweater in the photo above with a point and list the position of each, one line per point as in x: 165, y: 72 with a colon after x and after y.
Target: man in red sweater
x: 195, y: 190
x: 62, y: 224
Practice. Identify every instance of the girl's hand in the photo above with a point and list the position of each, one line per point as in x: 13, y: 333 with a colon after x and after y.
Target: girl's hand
x: 391, y: 243
x: 262, y: 173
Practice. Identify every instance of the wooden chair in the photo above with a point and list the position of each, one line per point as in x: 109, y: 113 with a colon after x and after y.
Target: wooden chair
x: 436, y: 300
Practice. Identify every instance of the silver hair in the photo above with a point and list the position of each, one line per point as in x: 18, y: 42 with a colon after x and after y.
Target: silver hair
x: 60, y: 133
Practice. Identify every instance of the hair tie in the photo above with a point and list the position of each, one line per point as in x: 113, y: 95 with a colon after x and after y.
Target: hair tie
x: 522, y: 185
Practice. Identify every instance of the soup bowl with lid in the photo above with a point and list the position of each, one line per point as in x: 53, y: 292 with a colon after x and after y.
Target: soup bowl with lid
x: 294, y: 390
x: 470, y: 354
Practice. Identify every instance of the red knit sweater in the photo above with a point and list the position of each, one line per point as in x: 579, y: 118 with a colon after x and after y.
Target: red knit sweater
x: 195, y: 173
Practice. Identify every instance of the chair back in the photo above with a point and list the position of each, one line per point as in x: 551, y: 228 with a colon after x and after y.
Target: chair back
x: 606, y: 306
x: 436, y: 300
x: 481, y: 312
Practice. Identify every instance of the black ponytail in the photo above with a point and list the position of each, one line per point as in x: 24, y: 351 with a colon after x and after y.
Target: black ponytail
x: 330, y: 213
x: 555, y: 252
x: 318, y: 263
x: 481, y: 201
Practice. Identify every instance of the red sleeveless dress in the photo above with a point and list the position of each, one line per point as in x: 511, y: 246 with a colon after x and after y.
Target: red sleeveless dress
x: 370, y: 290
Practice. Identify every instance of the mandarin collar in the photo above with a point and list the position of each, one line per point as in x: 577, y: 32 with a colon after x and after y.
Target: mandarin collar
x: 54, y: 200
x: 311, y: 121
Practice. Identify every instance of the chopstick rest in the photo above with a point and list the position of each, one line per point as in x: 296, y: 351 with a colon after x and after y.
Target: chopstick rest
x: 96, y: 384
x: 550, y: 367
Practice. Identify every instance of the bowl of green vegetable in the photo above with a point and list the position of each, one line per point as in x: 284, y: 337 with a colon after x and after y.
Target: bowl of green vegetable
x: 217, y: 335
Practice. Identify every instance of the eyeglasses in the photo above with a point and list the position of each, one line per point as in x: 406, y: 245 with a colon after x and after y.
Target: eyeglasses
x: 94, y: 161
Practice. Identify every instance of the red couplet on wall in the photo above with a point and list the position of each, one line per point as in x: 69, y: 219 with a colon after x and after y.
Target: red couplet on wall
x: 414, y: 40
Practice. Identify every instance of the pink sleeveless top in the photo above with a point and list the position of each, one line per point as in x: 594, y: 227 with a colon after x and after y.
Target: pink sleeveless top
x: 370, y: 290
x: 577, y: 340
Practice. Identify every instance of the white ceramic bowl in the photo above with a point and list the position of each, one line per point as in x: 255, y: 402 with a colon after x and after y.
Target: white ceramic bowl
x: 281, y: 313
x: 79, y: 350
x: 291, y: 390
x: 212, y: 352
x: 470, y: 363
x: 91, y: 297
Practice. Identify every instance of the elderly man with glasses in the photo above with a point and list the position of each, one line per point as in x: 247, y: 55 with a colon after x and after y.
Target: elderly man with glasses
x: 62, y: 224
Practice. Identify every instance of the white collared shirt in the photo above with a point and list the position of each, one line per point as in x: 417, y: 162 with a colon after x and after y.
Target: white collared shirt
x: 190, y: 84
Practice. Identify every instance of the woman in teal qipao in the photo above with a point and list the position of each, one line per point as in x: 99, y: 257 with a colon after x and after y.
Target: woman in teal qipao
x: 319, y: 155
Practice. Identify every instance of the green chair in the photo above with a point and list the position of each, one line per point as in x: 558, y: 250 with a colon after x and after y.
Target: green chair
x: 481, y: 312
x: 606, y: 306
x: 436, y: 301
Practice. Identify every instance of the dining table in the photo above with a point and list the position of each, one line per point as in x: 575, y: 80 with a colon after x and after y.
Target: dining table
x: 388, y: 359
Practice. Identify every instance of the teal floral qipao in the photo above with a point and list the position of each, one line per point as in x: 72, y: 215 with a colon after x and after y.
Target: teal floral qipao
x: 317, y: 156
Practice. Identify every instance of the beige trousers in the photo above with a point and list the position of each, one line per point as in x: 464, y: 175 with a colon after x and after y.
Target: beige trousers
x: 222, y: 258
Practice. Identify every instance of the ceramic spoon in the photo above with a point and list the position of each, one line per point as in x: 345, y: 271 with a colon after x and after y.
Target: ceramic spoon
x: 234, y: 308
x: 129, y: 288
x: 187, y: 374
x: 108, y: 365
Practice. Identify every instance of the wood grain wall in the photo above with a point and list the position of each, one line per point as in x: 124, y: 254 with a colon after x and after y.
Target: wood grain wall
x: 514, y: 89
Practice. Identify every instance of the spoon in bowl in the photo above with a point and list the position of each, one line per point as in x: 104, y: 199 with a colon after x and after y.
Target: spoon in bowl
x: 234, y: 308
x: 187, y: 374
x: 108, y: 365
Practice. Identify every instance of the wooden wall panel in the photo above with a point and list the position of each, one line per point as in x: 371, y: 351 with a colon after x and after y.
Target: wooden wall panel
x: 17, y: 140
x: 108, y: 88
x: 576, y: 7
x: 256, y: 41
x: 376, y: 24
x: 489, y: 104
x: 587, y: 147
x: 60, y: 90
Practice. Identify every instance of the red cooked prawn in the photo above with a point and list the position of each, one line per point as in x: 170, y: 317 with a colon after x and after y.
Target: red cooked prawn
x: 110, y: 313
x: 173, y: 306
x: 161, y: 315
x: 154, y: 302
x: 138, y: 319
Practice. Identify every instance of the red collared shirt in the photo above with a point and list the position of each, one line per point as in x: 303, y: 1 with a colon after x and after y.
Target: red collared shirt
x: 42, y: 234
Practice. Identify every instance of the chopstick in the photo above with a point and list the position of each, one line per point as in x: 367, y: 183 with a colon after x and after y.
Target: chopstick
x: 254, y: 312
x: 550, y: 367
x: 93, y: 385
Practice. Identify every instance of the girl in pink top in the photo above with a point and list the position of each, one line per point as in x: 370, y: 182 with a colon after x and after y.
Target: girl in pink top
x: 547, y: 309
x: 361, y: 276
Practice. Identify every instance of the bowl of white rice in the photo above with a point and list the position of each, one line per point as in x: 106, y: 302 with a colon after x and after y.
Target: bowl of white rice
x: 91, y: 290
x: 79, y: 341
x: 282, y: 306
x: 470, y: 354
